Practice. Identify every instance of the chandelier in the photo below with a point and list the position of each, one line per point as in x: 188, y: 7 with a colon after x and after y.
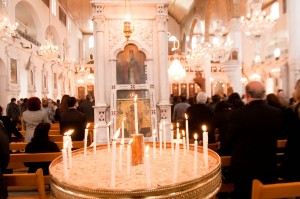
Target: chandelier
x: 176, y: 71
x: 49, y: 50
x: 256, y: 23
x: 128, y: 24
x: 6, y: 28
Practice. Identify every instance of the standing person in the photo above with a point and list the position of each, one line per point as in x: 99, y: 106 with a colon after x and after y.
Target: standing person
x: 4, y: 159
x: 9, y: 127
x: 13, y: 111
x: 291, y: 126
x: 180, y: 109
x: 23, y: 106
x: 73, y: 119
x: 252, y: 138
x: 33, y: 116
x: 40, y: 143
x: 62, y: 107
x: 86, y: 107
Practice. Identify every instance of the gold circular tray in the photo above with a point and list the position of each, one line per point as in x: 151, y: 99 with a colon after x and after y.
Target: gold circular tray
x: 205, y: 186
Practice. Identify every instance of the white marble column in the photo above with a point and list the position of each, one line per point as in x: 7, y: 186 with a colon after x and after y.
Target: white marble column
x: 232, y: 67
x: 164, y: 104
x: 294, y: 43
x: 99, y: 72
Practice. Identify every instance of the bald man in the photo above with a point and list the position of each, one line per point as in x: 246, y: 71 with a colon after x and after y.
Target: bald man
x: 251, y: 136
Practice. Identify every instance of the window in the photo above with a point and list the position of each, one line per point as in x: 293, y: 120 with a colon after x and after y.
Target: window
x: 53, y: 7
x: 91, y: 42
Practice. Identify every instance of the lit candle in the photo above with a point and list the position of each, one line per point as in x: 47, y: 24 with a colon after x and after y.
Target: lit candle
x: 86, y: 131
x: 108, y: 136
x: 187, y: 132
x: 123, y: 130
x: 177, y: 125
x: 65, y: 161
x: 176, y: 159
x: 147, y: 164
x: 135, y: 115
x: 113, y: 160
x: 95, y: 138
x: 154, y: 144
x: 120, y: 156
x: 68, y: 141
x: 195, y: 154
x: 172, y: 139
x: 183, y: 143
x: 205, y: 146
x: 165, y: 139
x: 128, y: 155
x: 160, y: 139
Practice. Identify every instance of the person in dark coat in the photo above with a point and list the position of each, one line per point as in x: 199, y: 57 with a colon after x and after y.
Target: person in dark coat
x: 40, y: 143
x: 86, y: 107
x: 4, y: 159
x: 251, y: 136
x: 10, y: 128
x: 13, y: 111
x: 73, y: 119
x: 291, y: 126
x: 200, y: 114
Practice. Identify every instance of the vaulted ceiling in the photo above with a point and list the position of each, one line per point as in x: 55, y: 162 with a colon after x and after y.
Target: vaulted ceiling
x: 81, y: 10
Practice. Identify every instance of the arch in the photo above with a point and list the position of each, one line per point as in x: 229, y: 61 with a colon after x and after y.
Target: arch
x: 26, y: 15
x: 122, y: 45
x: 56, y: 38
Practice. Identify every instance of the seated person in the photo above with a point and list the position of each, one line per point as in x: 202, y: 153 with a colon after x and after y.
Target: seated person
x: 40, y: 143
x: 73, y: 119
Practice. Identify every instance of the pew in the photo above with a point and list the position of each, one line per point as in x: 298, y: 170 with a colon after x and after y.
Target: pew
x: 277, y: 190
x: 20, y: 146
x: 51, y: 132
x: 21, y: 181
x: 53, y: 138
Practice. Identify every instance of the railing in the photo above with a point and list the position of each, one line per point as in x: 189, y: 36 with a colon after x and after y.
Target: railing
x: 28, y: 38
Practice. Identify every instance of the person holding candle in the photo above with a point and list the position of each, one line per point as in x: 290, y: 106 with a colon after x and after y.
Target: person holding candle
x: 251, y: 138
x: 40, y: 143
x: 73, y: 119
x: 198, y: 115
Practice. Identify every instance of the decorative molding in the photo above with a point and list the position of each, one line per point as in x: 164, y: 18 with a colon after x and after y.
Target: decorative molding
x: 99, y: 23
x: 161, y: 21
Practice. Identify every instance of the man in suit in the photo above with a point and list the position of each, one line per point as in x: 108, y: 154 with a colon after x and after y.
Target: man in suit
x: 73, y: 119
x: 86, y: 107
x: 251, y: 136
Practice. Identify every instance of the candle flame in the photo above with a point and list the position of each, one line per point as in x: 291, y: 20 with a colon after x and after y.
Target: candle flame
x: 183, y: 133
x: 130, y: 141
x: 124, y: 118
x: 195, y: 136
x: 135, y: 97
x: 66, y: 144
x: 109, y: 123
x: 117, y: 134
x: 177, y: 124
x: 88, y: 124
x: 147, y: 149
x: 204, y: 128
x: 69, y: 132
x: 185, y: 115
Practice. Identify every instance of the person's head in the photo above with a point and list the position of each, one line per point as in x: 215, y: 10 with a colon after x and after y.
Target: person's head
x: 273, y: 100
x: 64, y: 103
x: 131, y: 54
x: 41, y: 132
x: 216, y: 98
x: 34, y: 104
x: 14, y: 100
x: 201, y: 98
x: 88, y: 97
x: 236, y: 100
x: 183, y: 97
x: 72, y: 102
x: 223, y: 106
x: 255, y: 91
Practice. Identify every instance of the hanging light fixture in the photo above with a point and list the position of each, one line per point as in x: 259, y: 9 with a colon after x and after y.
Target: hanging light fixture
x: 128, y: 23
x: 6, y: 28
x: 49, y: 50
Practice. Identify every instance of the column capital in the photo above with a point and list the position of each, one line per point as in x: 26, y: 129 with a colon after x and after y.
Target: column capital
x: 161, y: 17
x: 99, y: 23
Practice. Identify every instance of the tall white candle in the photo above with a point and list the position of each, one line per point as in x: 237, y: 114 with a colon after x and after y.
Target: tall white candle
x: 108, y: 136
x: 113, y: 160
x: 86, y: 131
x: 136, y: 116
x: 120, y: 156
x: 65, y: 163
x: 154, y: 143
x: 183, y: 143
x: 195, y: 154
x: 165, y: 138
x: 187, y: 132
x: 176, y: 159
x: 160, y: 139
x: 147, y: 165
x: 128, y: 155
x: 123, y: 130
x: 205, y: 146
x: 172, y: 139
x: 68, y: 141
